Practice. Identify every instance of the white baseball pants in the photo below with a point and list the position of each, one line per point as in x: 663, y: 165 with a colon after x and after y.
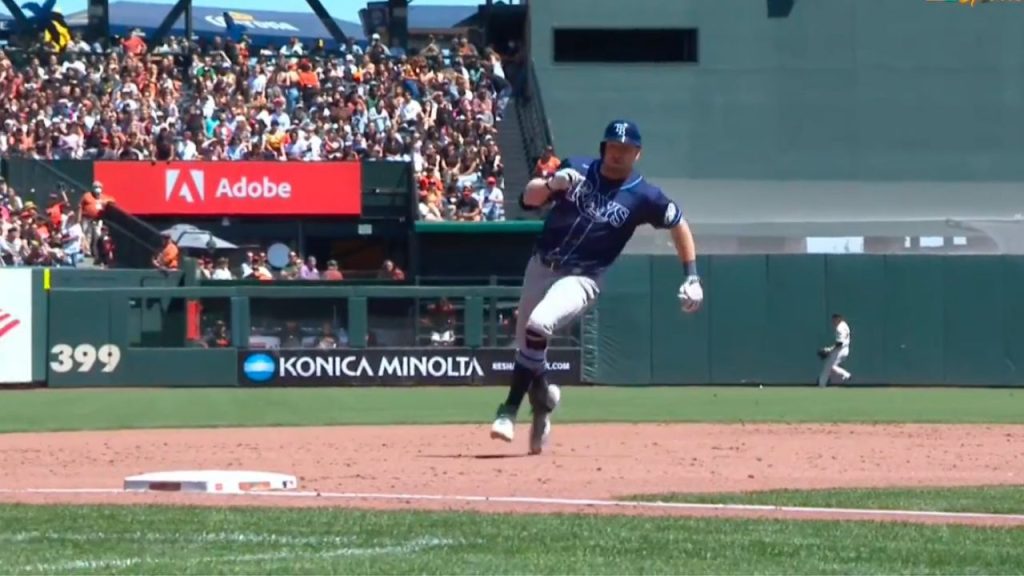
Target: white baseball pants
x: 552, y: 299
x: 831, y: 366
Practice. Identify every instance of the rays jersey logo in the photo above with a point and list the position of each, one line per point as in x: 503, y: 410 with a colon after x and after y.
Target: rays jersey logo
x: 596, y: 207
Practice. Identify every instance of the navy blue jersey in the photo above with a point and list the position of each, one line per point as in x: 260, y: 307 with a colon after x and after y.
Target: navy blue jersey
x: 590, y: 225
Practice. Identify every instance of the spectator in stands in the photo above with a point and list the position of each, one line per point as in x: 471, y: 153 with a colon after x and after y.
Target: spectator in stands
x: 106, y: 250
x: 432, y: 52
x: 90, y: 210
x: 468, y: 207
x: 291, y: 337
x: 206, y: 267
x: 222, y: 270
x: 440, y: 320
x: 547, y: 164
x: 167, y: 258
x: 431, y: 209
x: 327, y: 339
x: 72, y: 238
x: 292, y: 269
x: 332, y: 273
x: 28, y: 237
x: 389, y: 271
x: 261, y: 268
x: 12, y: 247
x: 247, y: 266
x: 492, y: 201
x: 309, y: 270
x: 219, y: 336
x: 508, y: 325
x: 58, y: 208
x: 134, y: 45
x: 9, y: 200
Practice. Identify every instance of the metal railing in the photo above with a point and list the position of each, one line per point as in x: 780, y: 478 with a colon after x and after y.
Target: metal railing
x: 532, y: 116
x: 143, y: 236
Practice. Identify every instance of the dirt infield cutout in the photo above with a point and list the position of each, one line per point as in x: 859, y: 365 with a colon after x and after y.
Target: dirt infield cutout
x: 589, y: 468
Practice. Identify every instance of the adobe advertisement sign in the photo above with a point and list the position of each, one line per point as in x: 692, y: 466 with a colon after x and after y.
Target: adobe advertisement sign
x: 394, y: 367
x: 234, y: 188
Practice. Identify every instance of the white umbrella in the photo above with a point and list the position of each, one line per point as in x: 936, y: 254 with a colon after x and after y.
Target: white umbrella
x: 189, y: 236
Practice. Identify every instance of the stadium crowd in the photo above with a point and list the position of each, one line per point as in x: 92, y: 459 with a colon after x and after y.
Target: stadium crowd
x: 58, y: 234
x: 226, y: 100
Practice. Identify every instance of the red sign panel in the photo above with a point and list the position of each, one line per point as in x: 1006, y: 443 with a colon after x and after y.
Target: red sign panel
x: 234, y: 188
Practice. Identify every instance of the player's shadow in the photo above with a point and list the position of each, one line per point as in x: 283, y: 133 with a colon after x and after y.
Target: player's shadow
x: 474, y: 456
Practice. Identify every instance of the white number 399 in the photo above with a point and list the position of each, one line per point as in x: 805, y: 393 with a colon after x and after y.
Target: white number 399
x: 85, y: 356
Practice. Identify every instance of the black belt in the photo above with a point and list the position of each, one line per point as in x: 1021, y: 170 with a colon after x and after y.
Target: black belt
x: 556, y: 264
x: 549, y: 262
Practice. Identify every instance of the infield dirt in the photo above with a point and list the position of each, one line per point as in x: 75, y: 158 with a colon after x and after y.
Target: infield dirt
x: 585, y: 461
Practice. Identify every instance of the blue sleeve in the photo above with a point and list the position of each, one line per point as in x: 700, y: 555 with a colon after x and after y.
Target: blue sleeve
x: 661, y: 211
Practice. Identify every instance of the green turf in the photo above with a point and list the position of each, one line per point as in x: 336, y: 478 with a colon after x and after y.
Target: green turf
x: 112, y: 409
x: 987, y: 499
x: 143, y: 540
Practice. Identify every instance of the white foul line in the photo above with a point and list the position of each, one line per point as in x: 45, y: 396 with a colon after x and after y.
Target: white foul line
x: 582, y: 502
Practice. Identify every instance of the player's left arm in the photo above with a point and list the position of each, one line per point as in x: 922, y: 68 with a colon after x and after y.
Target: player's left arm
x: 665, y: 213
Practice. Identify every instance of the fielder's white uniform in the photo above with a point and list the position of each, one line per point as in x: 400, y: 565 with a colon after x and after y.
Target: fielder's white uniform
x: 831, y: 364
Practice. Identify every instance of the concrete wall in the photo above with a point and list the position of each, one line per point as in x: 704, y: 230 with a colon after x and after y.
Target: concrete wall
x: 891, y: 90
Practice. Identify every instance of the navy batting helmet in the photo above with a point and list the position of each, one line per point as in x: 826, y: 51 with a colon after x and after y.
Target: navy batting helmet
x: 621, y: 131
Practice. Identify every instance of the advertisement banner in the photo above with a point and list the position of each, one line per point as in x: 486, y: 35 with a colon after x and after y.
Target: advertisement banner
x: 394, y: 367
x: 234, y: 188
x: 15, y: 326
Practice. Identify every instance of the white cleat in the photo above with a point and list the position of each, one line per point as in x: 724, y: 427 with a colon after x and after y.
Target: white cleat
x: 540, y: 431
x: 503, y: 429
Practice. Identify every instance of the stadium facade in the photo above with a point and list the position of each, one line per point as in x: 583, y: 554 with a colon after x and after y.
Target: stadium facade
x: 772, y: 121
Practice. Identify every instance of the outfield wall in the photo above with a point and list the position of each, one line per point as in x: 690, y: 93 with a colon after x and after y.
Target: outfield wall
x: 916, y: 320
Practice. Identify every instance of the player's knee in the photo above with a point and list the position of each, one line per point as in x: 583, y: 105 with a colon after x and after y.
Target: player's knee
x: 537, y: 336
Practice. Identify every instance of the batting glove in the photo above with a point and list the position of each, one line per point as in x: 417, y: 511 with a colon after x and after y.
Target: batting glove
x: 691, y: 294
x: 565, y: 179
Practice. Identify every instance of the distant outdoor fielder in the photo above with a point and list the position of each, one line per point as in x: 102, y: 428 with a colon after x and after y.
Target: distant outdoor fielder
x: 596, y: 205
x: 832, y: 356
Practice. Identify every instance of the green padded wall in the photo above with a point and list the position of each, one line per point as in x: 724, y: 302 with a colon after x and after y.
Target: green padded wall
x: 795, y: 298
x: 914, y: 314
x: 1013, y: 318
x: 624, y: 323
x: 738, y: 304
x: 680, y: 348
x: 916, y: 320
x: 973, y: 321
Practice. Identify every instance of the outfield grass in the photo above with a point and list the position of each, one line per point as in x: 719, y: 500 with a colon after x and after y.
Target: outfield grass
x: 982, y: 499
x: 41, y: 410
x: 148, y: 540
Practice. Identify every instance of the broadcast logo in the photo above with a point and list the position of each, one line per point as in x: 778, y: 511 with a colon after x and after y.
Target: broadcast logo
x: 259, y: 367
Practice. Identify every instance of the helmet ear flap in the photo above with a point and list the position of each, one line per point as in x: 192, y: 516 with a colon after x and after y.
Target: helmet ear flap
x: 602, y: 149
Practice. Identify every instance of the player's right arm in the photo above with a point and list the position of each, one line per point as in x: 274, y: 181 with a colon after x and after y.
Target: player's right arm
x: 539, y: 191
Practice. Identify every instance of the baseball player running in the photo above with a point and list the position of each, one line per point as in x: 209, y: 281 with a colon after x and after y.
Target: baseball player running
x: 832, y: 356
x: 596, y: 205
